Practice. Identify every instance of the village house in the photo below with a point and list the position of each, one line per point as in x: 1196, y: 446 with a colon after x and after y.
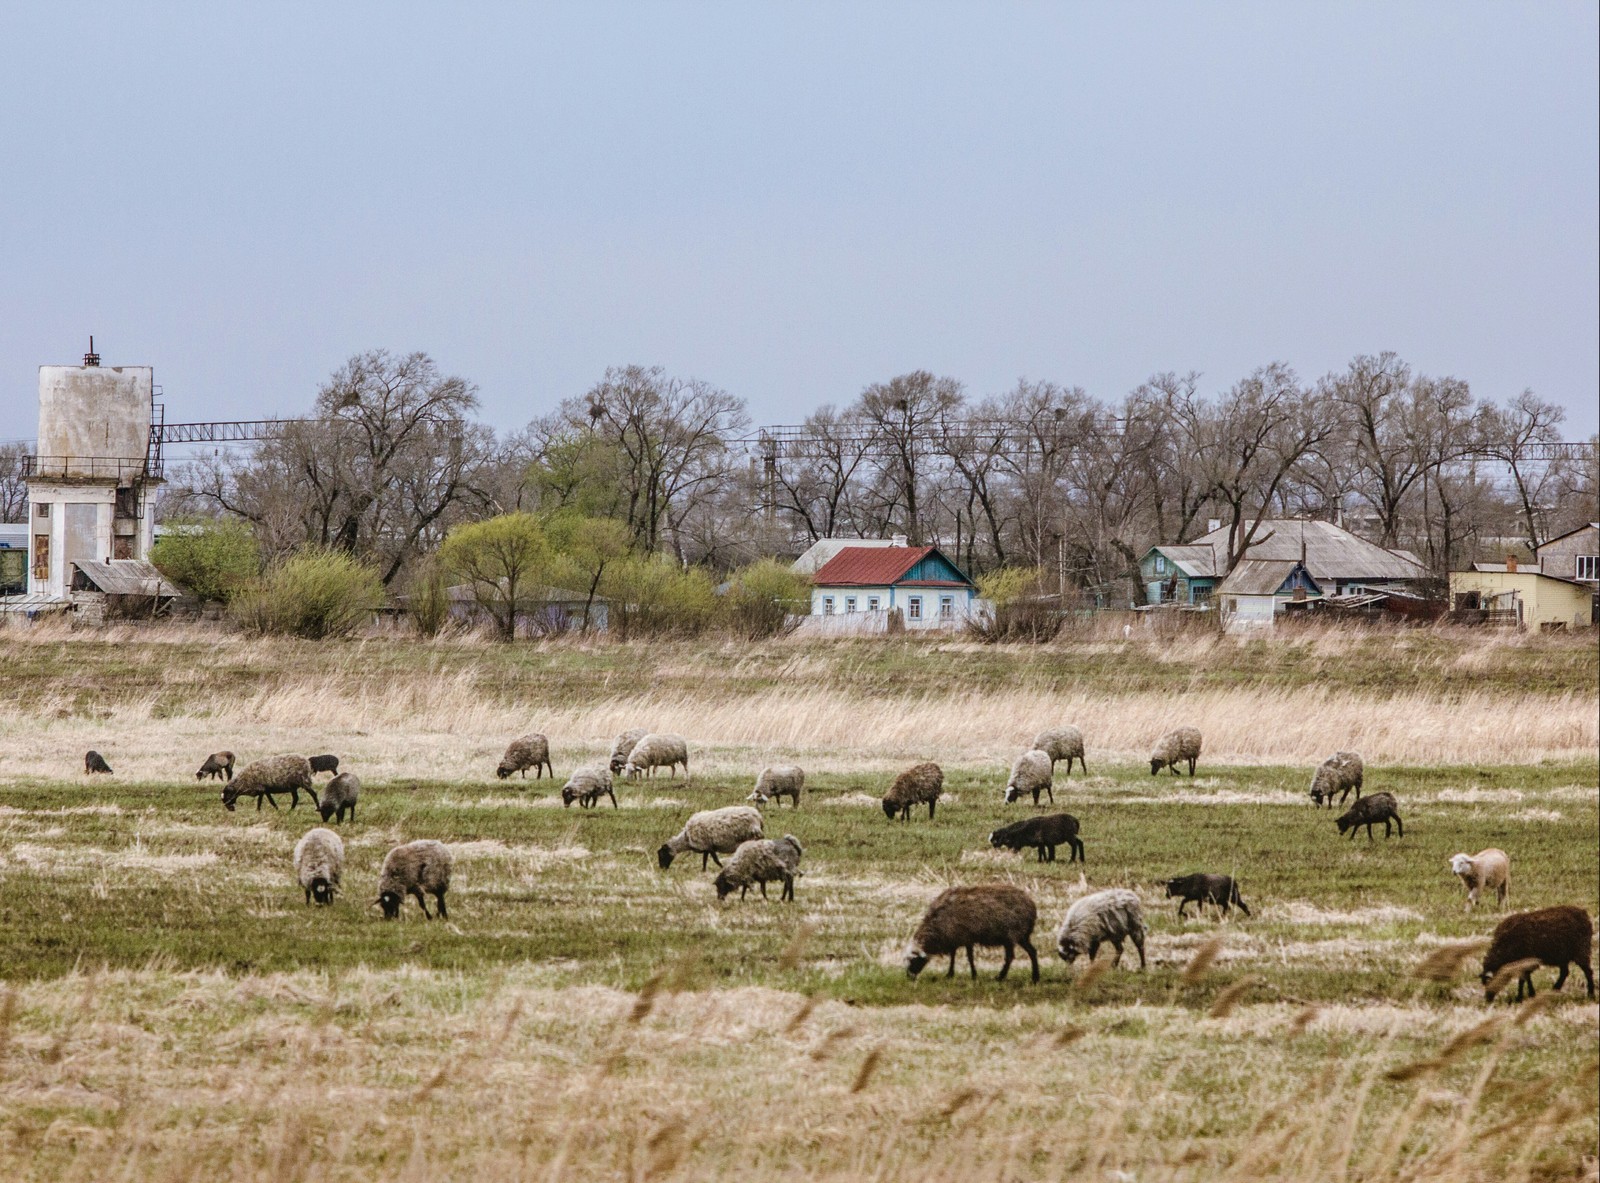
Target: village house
x: 1521, y: 594
x: 918, y: 583
x: 1573, y: 555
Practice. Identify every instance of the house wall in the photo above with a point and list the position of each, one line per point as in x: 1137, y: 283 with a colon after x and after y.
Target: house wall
x: 963, y: 603
x: 1244, y: 613
x: 1560, y: 558
x: 1544, y: 601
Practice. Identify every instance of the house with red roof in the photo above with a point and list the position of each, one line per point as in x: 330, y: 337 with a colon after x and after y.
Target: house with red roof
x: 925, y: 587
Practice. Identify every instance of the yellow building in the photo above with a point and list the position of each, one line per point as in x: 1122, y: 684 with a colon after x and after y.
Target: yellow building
x: 1536, y: 599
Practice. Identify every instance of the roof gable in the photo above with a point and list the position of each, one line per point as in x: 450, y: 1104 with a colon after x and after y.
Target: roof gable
x: 1268, y: 577
x: 860, y: 566
x: 1331, y: 552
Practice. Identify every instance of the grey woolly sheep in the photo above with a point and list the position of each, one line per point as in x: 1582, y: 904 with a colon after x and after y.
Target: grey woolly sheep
x: 414, y: 869
x: 1203, y: 889
x: 1062, y: 743
x: 1176, y: 747
x: 218, y: 766
x: 1551, y: 936
x: 587, y: 784
x: 525, y: 752
x: 658, y: 750
x: 1489, y: 868
x: 1113, y: 915
x: 1339, y: 773
x: 1032, y: 773
x: 919, y: 784
x: 266, y: 778
x: 339, y: 796
x: 622, y: 747
x: 777, y: 782
x: 95, y: 762
x: 712, y: 832
x: 319, y: 863
x: 325, y: 764
x: 1369, y: 811
x: 759, y: 862
x: 1043, y: 833
x: 993, y: 915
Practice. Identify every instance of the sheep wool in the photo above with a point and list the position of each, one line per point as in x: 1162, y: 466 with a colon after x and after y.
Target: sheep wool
x: 1556, y: 937
x: 1339, y: 773
x: 622, y: 747
x: 1032, y: 773
x: 759, y: 862
x: 525, y: 752
x: 218, y: 766
x: 990, y: 915
x: 1368, y: 812
x: 658, y: 750
x: 319, y: 864
x: 1062, y: 743
x: 269, y: 777
x: 587, y: 784
x: 417, y: 868
x: 1176, y: 747
x: 778, y: 782
x: 1111, y: 916
x: 918, y: 785
x: 340, y: 797
x: 712, y: 832
x: 1490, y: 868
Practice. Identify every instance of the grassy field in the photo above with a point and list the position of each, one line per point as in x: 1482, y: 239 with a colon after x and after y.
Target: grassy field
x: 174, y: 1011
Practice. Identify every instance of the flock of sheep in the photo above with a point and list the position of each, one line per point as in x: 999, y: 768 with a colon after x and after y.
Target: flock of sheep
x: 965, y: 918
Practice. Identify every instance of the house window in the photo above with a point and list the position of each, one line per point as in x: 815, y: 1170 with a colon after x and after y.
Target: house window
x: 827, y: 605
x: 1586, y: 567
x: 1161, y: 564
x: 947, y: 607
x: 873, y: 603
x: 914, y: 608
x: 849, y: 603
x: 42, y: 510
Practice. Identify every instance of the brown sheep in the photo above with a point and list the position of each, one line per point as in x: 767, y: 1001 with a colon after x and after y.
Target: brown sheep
x: 994, y: 915
x: 1546, y: 936
x: 218, y: 766
x: 917, y: 785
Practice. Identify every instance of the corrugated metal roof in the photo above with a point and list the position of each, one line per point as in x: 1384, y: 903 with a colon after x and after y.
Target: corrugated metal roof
x: 1258, y: 577
x: 1197, y: 562
x: 1331, y: 553
x: 1570, y: 533
x: 1522, y: 568
x: 128, y: 577
x: 822, y: 550
x: 34, y: 602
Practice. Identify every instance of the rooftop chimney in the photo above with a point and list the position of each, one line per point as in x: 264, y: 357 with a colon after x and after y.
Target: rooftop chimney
x: 1511, y: 564
x: 91, y: 358
x: 897, y: 540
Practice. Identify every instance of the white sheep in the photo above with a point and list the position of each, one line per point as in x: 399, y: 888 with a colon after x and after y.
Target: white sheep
x: 1489, y: 868
x: 1176, y: 747
x: 1112, y: 915
x: 587, y: 784
x: 1032, y: 773
x: 1062, y: 743
x: 658, y: 750
x: 779, y: 781
x: 760, y: 862
x: 319, y: 864
x: 712, y: 832
x: 622, y: 746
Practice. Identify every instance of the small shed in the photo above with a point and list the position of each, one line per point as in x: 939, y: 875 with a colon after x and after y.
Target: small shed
x: 122, y: 588
x: 1257, y: 591
x: 1521, y: 594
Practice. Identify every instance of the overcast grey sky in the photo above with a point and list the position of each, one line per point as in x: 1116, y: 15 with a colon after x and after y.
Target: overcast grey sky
x: 794, y: 200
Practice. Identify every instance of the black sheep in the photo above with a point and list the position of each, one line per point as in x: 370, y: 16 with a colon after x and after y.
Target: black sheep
x: 1044, y: 834
x: 1204, y: 889
x: 1369, y: 811
x: 325, y: 764
x: 95, y: 762
x: 1551, y: 936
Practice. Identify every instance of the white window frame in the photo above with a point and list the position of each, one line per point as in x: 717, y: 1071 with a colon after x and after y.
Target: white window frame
x: 1161, y: 564
x: 1586, y: 567
x: 947, y: 607
x: 827, y: 605
x: 913, y: 607
x: 849, y: 603
x: 874, y: 604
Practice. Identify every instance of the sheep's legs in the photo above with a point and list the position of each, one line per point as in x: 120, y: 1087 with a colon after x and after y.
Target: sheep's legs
x: 439, y: 899
x: 1182, y: 904
x: 1033, y: 956
x: 1588, y: 977
x: 1561, y: 978
x: 1006, y: 967
x: 1138, y: 943
x: 788, y: 889
x: 1191, y: 767
x: 421, y: 903
x: 972, y: 963
x: 951, y: 972
x: 931, y: 804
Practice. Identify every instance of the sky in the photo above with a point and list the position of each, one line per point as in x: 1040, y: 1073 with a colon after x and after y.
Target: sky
x: 792, y: 201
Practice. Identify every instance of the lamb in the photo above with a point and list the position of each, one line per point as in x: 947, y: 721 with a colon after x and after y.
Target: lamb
x: 712, y: 832
x: 1032, y: 773
x: 325, y: 764
x: 1176, y: 747
x: 1203, y: 889
x: 1488, y: 868
x: 759, y: 862
x: 587, y: 784
x: 412, y: 869
x: 1043, y: 833
x: 265, y: 778
x: 218, y: 766
x: 777, y: 782
x: 658, y: 750
x: 339, y: 796
x: 1369, y: 811
x: 1112, y: 915
x: 1339, y: 773
x: 1550, y: 936
x: 622, y: 747
x: 921, y: 783
x: 1062, y: 743
x: 527, y: 751
x: 318, y: 864
x: 993, y: 915
x: 94, y: 762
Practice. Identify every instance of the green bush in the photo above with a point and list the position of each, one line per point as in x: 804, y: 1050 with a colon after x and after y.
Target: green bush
x: 427, y: 599
x: 314, y: 593
x: 1026, y: 606
x: 651, y: 596
x: 762, y: 597
x: 212, y: 557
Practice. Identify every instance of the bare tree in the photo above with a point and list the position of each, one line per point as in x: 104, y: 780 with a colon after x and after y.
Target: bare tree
x: 1518, y: 436
x: 817, y: 487
x: 905, y: 413
x: 13, y: 489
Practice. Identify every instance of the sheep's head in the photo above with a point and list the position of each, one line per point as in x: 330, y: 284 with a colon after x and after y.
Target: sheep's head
x: 631, y: 770
x: 568, y: 796
x: 916, y: 959
x: 1172, y: 888
x: 327, y: 809
x: 757, y: 797
x: 229, y: 796
x: 1012, y: 794
x: 1460, y: 864
x: 995, y: 840
x: 322, y: 891
x: 888, y: 809
x: 723, y: 885
x: 1067, y: 949
x: 390, y: 901
x: 1155, y: 764
x: 664, y: 856
x: 1344, y: 823
x: 504, y: 770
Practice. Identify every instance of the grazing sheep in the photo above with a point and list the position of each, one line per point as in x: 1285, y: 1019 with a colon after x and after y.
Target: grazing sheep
x: 1043, y: 833
x: 1062, y: 743
x: 622, y: 747
x: 527, y: 751
x: 218, y: 766
x: 1176, y: 747
x: 921, y: 783
x: 265, y: 778
x: 778, y: 782
x: 1552, y: 936
x: 412, y: 869
x: 1369, y: 811
x: 1112, y: 915
x: 658, y: 750
x: 339, y: 796
x: 712, y: 832
x: 325, y: 764
x: 318, y: 864
x: 95, y: 762
x: 587, y: 784
x: 759, y: 862
x: 1031, y: 774
x: 1339, y: 773
x: 993, y: 915
x: 1202, y: 889
x: 1489, y: 868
